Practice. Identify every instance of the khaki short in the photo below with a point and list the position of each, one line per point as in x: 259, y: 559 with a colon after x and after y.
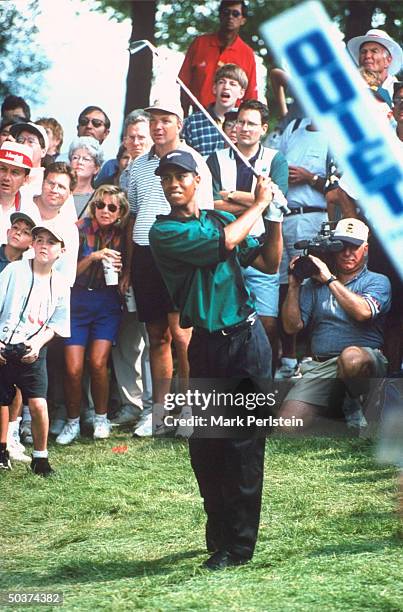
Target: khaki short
x: 320, y: 386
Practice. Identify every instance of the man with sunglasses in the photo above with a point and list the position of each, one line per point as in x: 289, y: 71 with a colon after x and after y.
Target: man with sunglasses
x: 210, y: 51
x: 93, y: 121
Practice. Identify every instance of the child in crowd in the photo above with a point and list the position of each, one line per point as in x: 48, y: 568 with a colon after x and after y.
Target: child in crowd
x: 229, y: 125
x: 34, y: 306
x: 230, y: 82
x: 19, y: 239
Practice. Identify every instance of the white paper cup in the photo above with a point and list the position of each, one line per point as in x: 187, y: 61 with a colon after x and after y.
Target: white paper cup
x: 110, y: 272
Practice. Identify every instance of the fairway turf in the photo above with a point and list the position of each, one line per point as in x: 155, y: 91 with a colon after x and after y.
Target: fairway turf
x: 125, y: 530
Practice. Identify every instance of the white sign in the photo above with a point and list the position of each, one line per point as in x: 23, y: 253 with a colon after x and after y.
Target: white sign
x: 334, y: 94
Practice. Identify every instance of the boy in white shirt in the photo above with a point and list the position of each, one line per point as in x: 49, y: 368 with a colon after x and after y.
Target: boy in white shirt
x: 34, y: 306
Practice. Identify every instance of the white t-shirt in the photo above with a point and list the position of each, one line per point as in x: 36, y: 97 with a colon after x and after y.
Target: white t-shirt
x: 28, y: 303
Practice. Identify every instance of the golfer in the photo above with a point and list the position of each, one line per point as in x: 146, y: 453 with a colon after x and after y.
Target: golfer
x: 200, y: 254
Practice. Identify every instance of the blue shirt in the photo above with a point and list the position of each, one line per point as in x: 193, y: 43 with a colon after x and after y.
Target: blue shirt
x: 332, y: 328
x: 200, y: 134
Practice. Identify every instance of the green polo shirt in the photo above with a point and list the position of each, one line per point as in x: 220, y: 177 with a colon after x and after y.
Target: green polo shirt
x: 203, y: 278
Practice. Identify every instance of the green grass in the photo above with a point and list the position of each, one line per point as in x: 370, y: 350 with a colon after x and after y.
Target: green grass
x: 126, y: 531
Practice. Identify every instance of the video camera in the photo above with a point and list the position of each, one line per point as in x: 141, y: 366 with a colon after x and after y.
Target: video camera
x: 322, y: 245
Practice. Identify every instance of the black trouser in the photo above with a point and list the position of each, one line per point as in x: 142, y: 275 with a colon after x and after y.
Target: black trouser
x: 229, y: 472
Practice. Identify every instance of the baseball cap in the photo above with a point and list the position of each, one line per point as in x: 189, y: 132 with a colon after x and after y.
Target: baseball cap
x: 49, y: 227
x: 352, y: 231
x: 172, y: 107
x: 17, y: 216
x: 34, y: 128
x: 181, y: 159
x: 16, y: 154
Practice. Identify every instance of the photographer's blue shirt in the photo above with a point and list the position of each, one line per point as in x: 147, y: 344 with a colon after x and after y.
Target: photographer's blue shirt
x: 332, y: 329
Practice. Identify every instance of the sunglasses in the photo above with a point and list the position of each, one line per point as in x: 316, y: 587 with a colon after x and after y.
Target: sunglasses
x: 398, y: 101
x: 84, y: 121
x: 111, y: 207
x: 227, y: 12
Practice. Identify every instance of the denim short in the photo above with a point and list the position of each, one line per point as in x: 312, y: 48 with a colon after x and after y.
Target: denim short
x: 95, y: 315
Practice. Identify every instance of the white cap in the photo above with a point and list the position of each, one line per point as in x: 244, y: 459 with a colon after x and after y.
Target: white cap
x: 351, y: 230
x: 172, y: 107
x: 34, y: 128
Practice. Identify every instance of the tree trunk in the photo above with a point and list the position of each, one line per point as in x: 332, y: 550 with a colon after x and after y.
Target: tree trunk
x: 139, y: 75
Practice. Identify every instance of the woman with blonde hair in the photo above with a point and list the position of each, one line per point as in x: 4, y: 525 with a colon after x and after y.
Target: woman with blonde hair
x: 96, y: 308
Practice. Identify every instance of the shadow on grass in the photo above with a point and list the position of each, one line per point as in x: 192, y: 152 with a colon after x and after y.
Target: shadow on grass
x: 352, y: 548
x: 89, y: 571
x: 373, y: 475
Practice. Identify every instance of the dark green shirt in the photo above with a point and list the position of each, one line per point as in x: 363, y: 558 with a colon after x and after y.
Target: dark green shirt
x: 203, y: 278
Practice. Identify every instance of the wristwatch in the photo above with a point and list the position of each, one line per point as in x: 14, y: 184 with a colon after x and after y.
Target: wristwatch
x: 314, y: 180
x: 330, y: 280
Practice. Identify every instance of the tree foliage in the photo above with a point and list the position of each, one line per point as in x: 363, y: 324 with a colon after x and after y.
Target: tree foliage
x: 179, y: 21
x: 22, y: 62
x: 176, y: 23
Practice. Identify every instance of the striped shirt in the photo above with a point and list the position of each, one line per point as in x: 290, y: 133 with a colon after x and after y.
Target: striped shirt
x: 201, y: 134
x: 146, y: 197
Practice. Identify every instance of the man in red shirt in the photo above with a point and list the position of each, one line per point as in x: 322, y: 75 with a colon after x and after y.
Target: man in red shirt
x: 210, y: 51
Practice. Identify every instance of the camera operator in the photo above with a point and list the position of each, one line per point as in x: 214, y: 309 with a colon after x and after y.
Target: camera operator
x: 346, y: 313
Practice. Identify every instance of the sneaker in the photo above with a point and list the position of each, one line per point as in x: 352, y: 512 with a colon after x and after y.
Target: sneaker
x: 186, y: 430
x: 5, y: 463
x: 16, y: 452
x: 41, y: 466
x: 15, y: 448
x: 26, y: 432
x: 56, y: 426
x: 70, y: 432
x: 126, y: 415
x: 102, y: 429
x: 145, y: 427
x: 159, y: 428
x: 287, y: 373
